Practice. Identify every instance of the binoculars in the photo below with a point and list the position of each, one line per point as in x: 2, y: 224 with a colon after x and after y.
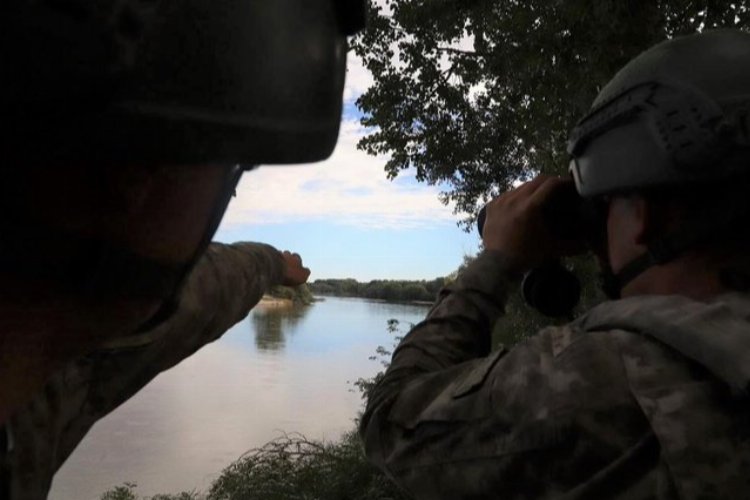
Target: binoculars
x: 552, y: 289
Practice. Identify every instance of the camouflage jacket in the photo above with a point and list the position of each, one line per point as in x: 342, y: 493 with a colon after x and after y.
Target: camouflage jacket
x: 220, y: 290
x: 645, y: 397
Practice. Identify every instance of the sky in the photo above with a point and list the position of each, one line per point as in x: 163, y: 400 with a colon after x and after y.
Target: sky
x: 344, y: 217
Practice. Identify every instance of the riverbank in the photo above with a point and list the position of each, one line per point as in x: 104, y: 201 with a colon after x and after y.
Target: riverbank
x: 269, y: 301
x: 299, y: 295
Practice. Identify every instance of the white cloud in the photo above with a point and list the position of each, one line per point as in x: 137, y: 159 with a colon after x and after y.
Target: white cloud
x: 349, y: 188
x: 358, y: 79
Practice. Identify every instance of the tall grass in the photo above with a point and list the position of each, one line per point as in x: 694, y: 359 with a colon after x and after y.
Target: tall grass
x: 293, y: 467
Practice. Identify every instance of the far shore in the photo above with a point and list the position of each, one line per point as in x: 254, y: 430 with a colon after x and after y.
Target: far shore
x: 381, y: 301
x: 276, y: 302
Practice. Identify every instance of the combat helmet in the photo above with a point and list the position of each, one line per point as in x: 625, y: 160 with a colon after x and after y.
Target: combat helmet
x: 676, y: 115
x: 173, y: 81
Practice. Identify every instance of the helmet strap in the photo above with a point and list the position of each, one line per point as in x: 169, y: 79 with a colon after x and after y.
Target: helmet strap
x: 612, y: 283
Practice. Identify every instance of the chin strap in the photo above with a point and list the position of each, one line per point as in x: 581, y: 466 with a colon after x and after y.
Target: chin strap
x: 661, y: 252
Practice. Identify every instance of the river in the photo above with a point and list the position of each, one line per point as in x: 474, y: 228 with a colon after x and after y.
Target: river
x: 279, y: 370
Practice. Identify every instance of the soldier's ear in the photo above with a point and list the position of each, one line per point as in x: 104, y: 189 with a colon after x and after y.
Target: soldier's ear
x: 629, y: 220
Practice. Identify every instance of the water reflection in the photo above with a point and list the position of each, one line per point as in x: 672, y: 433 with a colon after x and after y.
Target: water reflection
x: 272, y: 324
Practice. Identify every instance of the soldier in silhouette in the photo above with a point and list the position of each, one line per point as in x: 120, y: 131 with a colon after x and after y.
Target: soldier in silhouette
x: 128, y: 125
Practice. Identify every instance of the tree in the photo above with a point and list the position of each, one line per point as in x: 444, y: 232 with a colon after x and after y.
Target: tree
x: 477, y: 94
x: 392, y: 291
x: 300, y: 295
x: 416, y: 291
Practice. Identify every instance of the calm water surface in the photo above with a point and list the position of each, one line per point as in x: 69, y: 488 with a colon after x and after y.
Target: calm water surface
x: 279, y: 370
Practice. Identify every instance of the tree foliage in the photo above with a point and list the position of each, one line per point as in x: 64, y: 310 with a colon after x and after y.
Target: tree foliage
x: 300, y: 295
x: 127, y: 491
x: 477, y: 94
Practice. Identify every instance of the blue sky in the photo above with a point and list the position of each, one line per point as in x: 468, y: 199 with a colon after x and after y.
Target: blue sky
x: 344, y: 217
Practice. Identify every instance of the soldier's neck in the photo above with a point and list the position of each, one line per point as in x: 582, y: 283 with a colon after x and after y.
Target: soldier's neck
x: 691, y: 276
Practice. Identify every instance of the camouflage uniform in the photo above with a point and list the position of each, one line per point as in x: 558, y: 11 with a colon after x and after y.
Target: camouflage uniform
x: 222, y: 288
x: 644, y: 397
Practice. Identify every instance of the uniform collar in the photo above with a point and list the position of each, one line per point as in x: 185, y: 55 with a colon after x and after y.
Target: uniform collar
x: 715, y: 334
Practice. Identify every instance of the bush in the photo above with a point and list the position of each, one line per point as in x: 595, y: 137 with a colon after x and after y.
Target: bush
x: 124, y: 492
x: 127, y: 492
x: 293, y: 467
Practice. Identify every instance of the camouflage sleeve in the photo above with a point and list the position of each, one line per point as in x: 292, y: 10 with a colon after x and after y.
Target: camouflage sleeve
x: 457, y: 328
x: 221, y: 289
x: 449, y: 419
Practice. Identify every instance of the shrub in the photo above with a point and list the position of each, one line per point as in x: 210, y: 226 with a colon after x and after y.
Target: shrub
x: 293, y: 467
x: 123, y: 492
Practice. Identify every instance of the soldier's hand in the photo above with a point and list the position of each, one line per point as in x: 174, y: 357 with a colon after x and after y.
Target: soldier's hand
x: 295, y: 273
x: 516, y: 227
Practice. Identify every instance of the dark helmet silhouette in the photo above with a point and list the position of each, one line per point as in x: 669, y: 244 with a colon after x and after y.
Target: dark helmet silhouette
x: 173, y: 81
x: 677, y: 113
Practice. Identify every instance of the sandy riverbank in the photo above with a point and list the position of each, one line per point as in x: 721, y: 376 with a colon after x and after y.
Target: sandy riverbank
x: 268, y: 301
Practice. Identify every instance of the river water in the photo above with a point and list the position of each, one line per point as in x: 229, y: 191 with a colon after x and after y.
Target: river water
x: 279, y: 370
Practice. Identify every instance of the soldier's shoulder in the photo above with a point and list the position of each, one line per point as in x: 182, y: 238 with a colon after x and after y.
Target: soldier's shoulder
x: 577, y: 362
x: 559, y: 341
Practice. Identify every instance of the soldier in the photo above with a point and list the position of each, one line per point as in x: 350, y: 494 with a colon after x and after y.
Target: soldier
x: 127, y: 126
x: 643, y: 396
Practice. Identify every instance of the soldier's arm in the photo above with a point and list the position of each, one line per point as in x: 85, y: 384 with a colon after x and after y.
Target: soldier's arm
x: 457, y: 328
x: 455, y: 336
x: 221, y: 289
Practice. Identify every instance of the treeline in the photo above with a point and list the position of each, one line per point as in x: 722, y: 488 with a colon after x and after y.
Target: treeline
x: 391, y: 290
